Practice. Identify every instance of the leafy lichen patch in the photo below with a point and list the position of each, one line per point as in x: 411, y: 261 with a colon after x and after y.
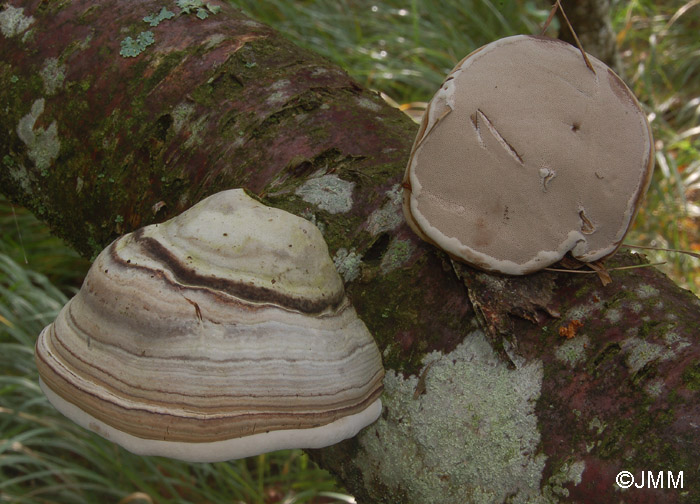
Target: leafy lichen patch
x: 130, y: 47
x: 596, y: 425
x: 198, y: 7
x: 389, y: 215
x: 13, y: 21
x: 471, y: 437
x: 328, y: 192
x: 347, y: 263
x: 569, y: 472
x: 155, y: 19
x: 52, y: 74
x: 42, y: 144
x: 573, y: 351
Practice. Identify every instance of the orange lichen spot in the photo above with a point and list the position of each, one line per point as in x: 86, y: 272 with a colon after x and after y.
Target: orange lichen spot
x: 569, y: 330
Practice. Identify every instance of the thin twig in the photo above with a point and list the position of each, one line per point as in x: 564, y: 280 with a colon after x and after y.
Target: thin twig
x: 556, y: 6
x: 552, y: 12
x: 591, y: 272
x: 643, y: 247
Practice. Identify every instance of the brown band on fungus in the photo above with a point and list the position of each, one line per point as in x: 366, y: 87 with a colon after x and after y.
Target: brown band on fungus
x: 257, y: 294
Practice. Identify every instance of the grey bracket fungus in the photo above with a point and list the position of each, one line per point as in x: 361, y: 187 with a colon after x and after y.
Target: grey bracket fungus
x: 222, y: 333
x: 525, y: 155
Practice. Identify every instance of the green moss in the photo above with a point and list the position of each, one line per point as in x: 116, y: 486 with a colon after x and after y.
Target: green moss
x: 618, y: 299
x: 691, y: 376
x: 388, y: 309
x: 396, y: 255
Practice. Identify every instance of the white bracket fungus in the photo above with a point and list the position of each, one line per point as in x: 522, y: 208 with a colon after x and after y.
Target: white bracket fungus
x: 525, y: 155
x: 222, y: 333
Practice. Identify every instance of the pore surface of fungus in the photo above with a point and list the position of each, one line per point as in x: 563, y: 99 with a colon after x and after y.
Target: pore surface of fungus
x: 524, y: 155
x: 222, y: 333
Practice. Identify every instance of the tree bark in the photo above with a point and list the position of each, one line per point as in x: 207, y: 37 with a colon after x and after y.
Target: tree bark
x: 533, y: 389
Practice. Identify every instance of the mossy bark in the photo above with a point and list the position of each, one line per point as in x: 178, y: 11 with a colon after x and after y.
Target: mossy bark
x: 98, y: 143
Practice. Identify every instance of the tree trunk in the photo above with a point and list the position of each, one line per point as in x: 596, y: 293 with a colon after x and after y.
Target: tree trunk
x: 533, y: 389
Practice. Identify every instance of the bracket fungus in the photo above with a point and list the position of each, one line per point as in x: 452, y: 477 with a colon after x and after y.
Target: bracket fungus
x: 222, y: 333
x: 524, y: 155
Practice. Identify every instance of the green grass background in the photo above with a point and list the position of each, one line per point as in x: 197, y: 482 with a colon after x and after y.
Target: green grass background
x: 402, y: 49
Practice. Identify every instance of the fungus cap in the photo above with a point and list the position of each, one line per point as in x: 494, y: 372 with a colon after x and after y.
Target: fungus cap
x: 525, y: 155
x: 220, y: 334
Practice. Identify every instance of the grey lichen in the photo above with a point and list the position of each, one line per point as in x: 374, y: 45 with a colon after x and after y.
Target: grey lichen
x: 13, y: 21
x: 597, y: 426
x: 672, y: 338
x: 572, y: 351
x: 42, y: 144
x: 613, y: 315
x: 368, y: 104
x: 215, y: 40
x: 17, y: 172
x: 638, y: 353
x: 389, y: 215
x: 348, y: 264
x: 655, y: 387
x: 280, y: 92
x: 181, y: 115
x: 52, y: 74
x: 471, y: 437
x: 646, y: 291
x: 328, y: 192
x: 196, y: 127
